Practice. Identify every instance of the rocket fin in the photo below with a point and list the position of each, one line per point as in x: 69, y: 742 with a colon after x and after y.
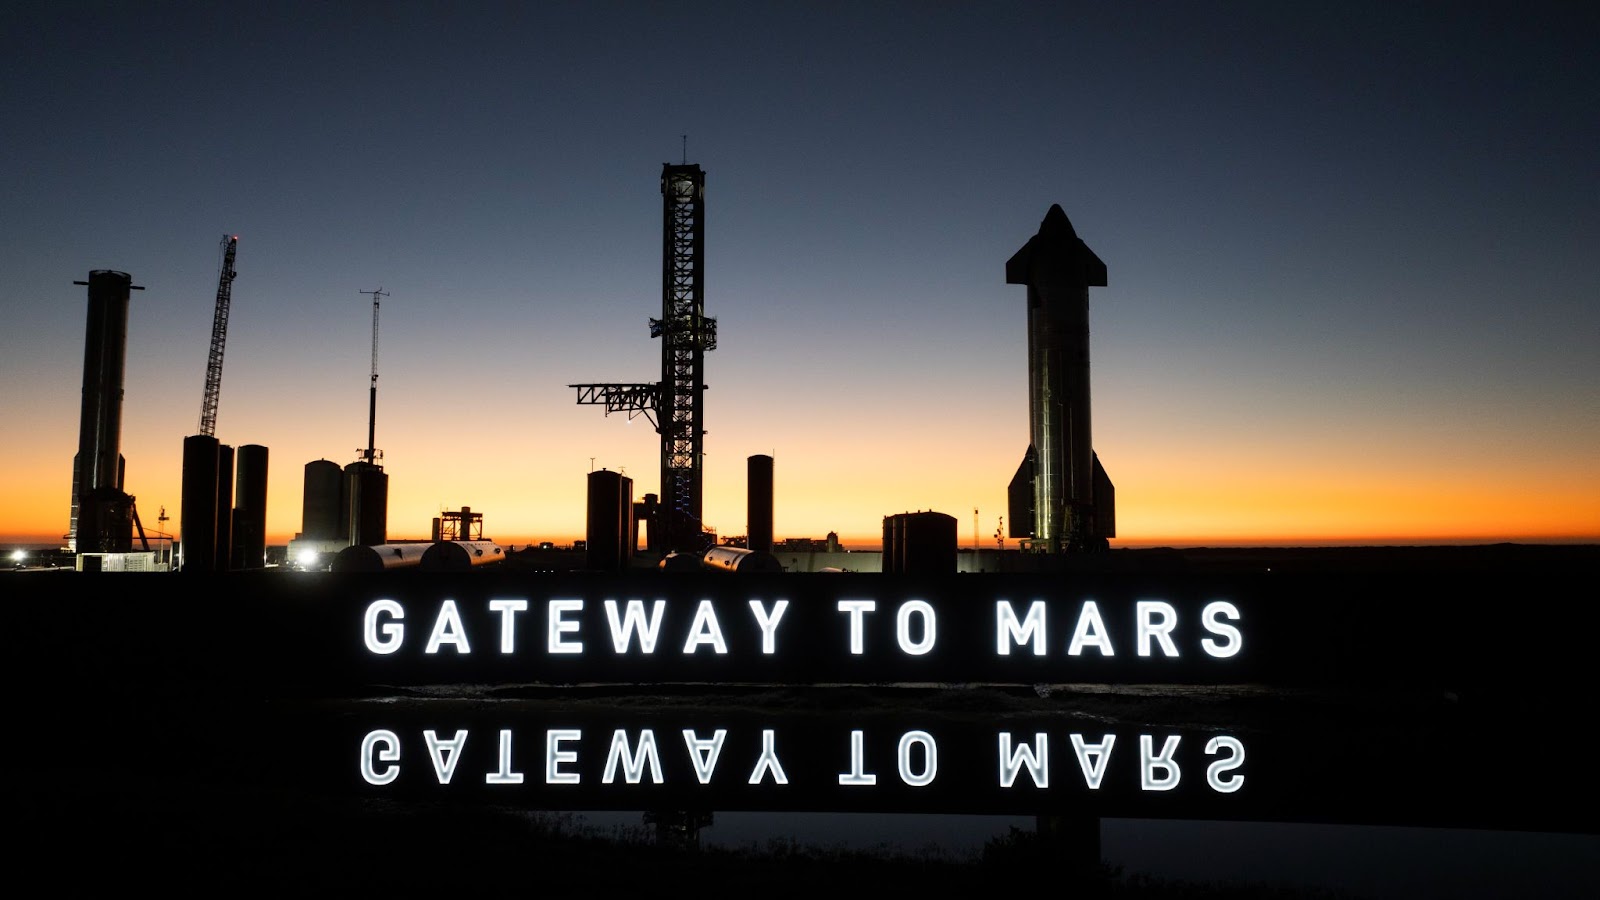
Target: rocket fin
x: 1019, y: 497
x: 1105, y: 501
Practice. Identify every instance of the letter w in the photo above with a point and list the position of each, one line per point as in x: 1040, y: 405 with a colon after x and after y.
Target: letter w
x: 633, y: 622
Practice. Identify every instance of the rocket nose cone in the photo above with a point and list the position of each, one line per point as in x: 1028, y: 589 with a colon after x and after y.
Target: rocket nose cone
x: 1056, y: 224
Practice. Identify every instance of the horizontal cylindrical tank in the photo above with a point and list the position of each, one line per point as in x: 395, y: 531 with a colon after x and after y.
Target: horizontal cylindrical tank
x: 680, y: 562
x: 739, y: 559
x: 379, y: 557
x: 456, y: 556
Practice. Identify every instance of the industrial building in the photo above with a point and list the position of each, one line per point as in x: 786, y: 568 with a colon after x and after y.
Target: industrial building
x: 1060, y: 499
x: 222, y: 522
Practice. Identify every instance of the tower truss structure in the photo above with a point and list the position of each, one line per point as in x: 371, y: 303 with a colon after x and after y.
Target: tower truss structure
x: 676, y: 404
x: 219, y: 337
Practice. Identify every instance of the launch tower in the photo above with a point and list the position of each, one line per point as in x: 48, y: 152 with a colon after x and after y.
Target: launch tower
x: 675, y: 405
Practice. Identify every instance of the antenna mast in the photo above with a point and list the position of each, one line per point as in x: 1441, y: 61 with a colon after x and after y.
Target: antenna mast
x: 370, y: 454
x: 219, y: 337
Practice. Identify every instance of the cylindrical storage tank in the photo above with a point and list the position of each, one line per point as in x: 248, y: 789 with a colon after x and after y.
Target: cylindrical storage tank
x: 366, y: 497
x: 645, y: 514
x: 929, y: 544
x: 105, y: 345
x: 457, y: 556
x: 224, y: 489
x: 378, y: 557
x: 250, y: 507
x: 739, y: 559
x: 648, y: 511
x: 197, y: 518
x: 758, y: 504
x: 680, y: 562
x: 107, y: 514
x: 319, y: 505
x: 889, y: 544
x: 609, y: 532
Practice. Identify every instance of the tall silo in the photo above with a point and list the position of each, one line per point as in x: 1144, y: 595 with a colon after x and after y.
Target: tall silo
x: 928, y: 544
x: 609, y: 532
x: 250, y: 508
x: 224, y: 489
x: 891, y: 545
x: 320, y: 502
x: 758, y: 504
x: 197, y: 518
x: 366, y: 503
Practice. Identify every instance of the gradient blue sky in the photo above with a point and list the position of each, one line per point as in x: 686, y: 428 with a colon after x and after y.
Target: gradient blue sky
x: 1351, y: 250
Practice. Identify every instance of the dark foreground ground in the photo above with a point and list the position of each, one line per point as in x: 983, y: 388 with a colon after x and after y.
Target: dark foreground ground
x: 124, y: 775
x: 222, y: 794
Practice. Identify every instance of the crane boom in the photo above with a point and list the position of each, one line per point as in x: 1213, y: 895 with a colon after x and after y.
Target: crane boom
x: 219, y: 337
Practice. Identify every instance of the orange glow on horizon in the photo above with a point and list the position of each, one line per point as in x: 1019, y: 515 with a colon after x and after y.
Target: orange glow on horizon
x: 1174, y: 487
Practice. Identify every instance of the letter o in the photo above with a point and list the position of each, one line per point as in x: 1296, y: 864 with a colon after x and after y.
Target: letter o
x: 930, y: 750
x: 902, y: 627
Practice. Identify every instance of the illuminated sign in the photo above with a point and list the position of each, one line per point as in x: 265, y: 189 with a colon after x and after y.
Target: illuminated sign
x: 1021, y: 760
x: 915, y: 627
x: 984, y: 694
x: 636, y: 758
x: 886, y: 751
x: 788, y: 630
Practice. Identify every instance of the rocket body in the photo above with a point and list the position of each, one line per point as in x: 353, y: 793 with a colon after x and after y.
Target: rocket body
x: 101, y: 512
x: 1058, y: 269
x: 104, y: 360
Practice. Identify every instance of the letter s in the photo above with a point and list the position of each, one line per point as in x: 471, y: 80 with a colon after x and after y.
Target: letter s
x: 1208, y: 620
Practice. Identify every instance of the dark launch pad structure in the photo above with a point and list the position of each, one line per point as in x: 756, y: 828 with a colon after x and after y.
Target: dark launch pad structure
x: 1060, y: 501
x: 675, y: 404
x: 103, y: 515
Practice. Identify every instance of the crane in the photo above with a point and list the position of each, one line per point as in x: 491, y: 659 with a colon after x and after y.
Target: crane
x: 219, y: 337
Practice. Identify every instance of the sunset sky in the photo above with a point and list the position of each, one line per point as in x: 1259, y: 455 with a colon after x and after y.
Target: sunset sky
x: 1354, y: 283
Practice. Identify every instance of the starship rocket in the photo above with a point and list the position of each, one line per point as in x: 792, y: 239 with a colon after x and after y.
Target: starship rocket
x: 1060, y: 500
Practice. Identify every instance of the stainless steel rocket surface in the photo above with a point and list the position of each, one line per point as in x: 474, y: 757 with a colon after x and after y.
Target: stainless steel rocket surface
x: 1058, y: 269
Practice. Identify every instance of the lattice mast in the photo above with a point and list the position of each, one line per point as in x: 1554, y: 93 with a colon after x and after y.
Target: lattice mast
x: 219, y: 338
x: 686, y: 334
x: 371, y: 454
x: 675, y: 404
